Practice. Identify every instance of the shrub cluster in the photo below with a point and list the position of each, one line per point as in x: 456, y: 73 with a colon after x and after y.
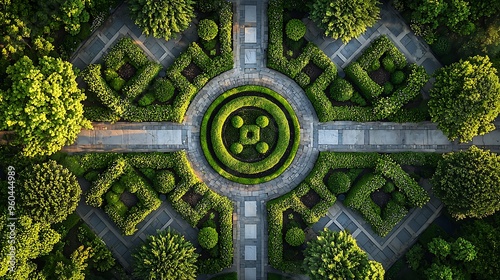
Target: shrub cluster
x: 207, y: 29
x: 339, y: 182
x: 341, y: 90
x: 295, y: 29
x: 295, y: 236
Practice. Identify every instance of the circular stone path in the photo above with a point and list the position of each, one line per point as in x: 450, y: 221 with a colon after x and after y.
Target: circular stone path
x: 306, y: 154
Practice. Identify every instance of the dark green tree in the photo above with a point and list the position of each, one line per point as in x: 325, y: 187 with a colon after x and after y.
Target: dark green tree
x: 465, y: 98
x: 468, y: 183
x: 162, y: 18
x: 42, y: 105
x: 164, y: 256
x: 335, y: 255
x: 345, y: 19
x: 50, y: 192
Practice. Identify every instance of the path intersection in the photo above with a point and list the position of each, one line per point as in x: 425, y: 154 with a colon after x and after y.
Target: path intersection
x: 249, y: 44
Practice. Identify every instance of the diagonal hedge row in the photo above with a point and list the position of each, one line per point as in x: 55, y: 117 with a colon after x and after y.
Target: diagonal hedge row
x: 142, y: 173
x: 125, y: 107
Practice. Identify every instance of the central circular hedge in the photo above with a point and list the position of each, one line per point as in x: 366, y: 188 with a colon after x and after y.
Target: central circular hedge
x: 250, y: 134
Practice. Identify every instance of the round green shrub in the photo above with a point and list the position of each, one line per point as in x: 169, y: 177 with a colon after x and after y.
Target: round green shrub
x: 163, y: 90
x: 208, y: 237
x: 262, y: 147
x: 339, y: 182
x: 442, y: 46
x: 375, y: 65
x: 262, y: 121
x: 388, y: 64
x: 110, y: 75
x: 399, y: 197
x: 207, y: 29
x: 236, y: 148
x: 118, y: 187
x: 341, y: 90
x: 389, y: 187
x: 147, y: 99
x: 112, y: 197
x: 388, y: 88
x: 91, y: 176
x: 117, y: 83
x: 397, y: 77
x: 237, y: 121
x: 165, y: 181
x: 295, y: 236
x: 295, y: 29
x: 210, y: 44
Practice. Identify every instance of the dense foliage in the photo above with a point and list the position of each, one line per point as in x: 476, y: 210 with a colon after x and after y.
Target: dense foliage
x: 465, y: 98
x: 162, y: 19
x: 346, y: 19
x: 49, y: 192
x: 208, y: 237
x: 42, y: 105
x: 468, y: 183
x: 166, y: 255
x: 336, y: 255
x: 207, y: 29
x: 295, y: 29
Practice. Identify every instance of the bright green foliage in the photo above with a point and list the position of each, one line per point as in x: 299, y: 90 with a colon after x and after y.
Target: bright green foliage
x: 75, y: 267
x: 42, y: 105
x: 339, y: 182
x: 439, y: 247
x: 295, y: 236
x: 262, y: 147
x: 208, y: 237
x: 463, y: 250
x: 72, y: 14
x: 397, y: 77
x: 32, y: 240
x: 163, y: 89
x: 262, y: 121
x: 165, y: 181
x: 335, y: 255
x: 345, y: 19
x: 236, y: 148
x: 468, y: 183
x: 50, y: 192
x: 465, y: 98
x: 165, y: 256
x: 341, y: 90
x: 163, y: 18
x: 207, y: 29
x: 295, y: 29
x: 388, y: 64
x: 237, y: 121
x: 439, y: 272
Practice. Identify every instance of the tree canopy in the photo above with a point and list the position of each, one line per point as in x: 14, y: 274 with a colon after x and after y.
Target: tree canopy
x: 43, y: 105
x: 465, y: 98
x: 468, y: 183
x: 162, y: 18
x: 345, y: 19
x: 335, y: 255
x: 50, y: 192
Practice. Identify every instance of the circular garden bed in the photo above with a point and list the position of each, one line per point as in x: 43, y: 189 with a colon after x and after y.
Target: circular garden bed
x: 250, y: 134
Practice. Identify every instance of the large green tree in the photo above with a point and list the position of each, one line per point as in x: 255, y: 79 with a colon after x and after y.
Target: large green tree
x: 166, y: 256
x: 468, y: 183
x: 42, y: 105
x: 345, y: 19
x: 162, y: 18
x: 335, y: 255
x: 50, y: 192
x: 465, y: 98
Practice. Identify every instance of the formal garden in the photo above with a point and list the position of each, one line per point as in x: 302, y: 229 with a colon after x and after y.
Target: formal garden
x: 249, y: 136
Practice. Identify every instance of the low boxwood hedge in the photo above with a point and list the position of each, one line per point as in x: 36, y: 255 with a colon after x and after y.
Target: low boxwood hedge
x: 360, y: 78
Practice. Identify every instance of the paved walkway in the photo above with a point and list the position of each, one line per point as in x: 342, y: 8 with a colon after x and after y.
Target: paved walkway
x: 250, y: 44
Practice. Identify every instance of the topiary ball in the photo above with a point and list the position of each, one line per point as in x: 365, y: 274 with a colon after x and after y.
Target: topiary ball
x: 237, y: 121
x: 236, y: 148
x: 388, y: 88
x: 262, y: 147
x: 118, y: 187
x: 388, y: 64
x: 112, y: 197
x: 262, y: 121
x: 375, y: 65
x: 341, y: 90
x: 165, y: 181
x: 295, y: 236
x: 295, y: 29
x: 399, y: 198
x: 163, y: 90
x: 339, y: 182
x: 208, y: 237
x: 207, y: 29
x: 389, y: 187
x: 397, y: 77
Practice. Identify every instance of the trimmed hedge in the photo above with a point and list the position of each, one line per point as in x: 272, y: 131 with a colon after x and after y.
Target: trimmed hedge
x: 380, y: 46
x: 361, y: 191
x: 360, y: 78
x: 341, y: 90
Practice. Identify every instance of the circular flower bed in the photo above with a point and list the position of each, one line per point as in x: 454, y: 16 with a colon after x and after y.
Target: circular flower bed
x: 250, y: 134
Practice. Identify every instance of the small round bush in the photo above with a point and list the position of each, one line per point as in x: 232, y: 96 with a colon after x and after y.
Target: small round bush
x: 388, y: 88
x: 92, y: 176
x: 208, y: 237
x: 397, y: 77
x: 388, y: 64
x: 389, y: 187
x: 117, y: 83
x: 339, y: 182
x: 262, y: 121
x: 262, y: 147
x: 375, y: 65
x: 295, y: 236
x: 442, y: 46
x: 118, y: 187
x: 112, y: 197
x: 295, y: 29
x: 165, y: 181
x: 110, y: 74
x: 210, y: 44
x: 399, y: 197
x: 207, y: 29
x: 163, y: 90
x: 341, y: 90
x: 236, y: 148
x: 237, y: 121
x: 147, y: 99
